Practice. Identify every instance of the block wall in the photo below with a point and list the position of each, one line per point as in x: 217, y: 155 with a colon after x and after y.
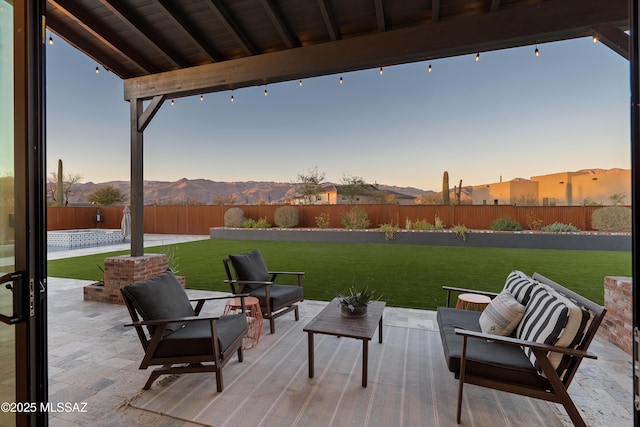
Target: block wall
x: 617, y: 324
x: 122, y: 270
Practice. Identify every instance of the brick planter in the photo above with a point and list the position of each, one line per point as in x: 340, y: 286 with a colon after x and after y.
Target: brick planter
x: 122, y: 270
x: 617, y: 324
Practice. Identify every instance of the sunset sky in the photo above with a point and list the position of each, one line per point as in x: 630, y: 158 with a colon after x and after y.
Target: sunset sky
x: 509, y: 115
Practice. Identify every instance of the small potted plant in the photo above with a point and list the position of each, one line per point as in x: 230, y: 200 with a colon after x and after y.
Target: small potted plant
x: 353, y: 303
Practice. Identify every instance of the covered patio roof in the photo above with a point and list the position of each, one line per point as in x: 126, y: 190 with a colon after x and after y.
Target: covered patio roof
x: 179, y: 49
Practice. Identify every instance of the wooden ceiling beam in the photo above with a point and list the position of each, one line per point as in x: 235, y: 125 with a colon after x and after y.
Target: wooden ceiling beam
x: 382, y: 22
x: 274, y: 14
x: 137, y: 24
x: 435, y: 10
x: 495, y: 4
x: 81, y: 43
x: 196, y: 37
x: 103, y: 35
x: 614, y: 38
x: 232, y: 27
x: 504, y: 28
x: 329, y: 20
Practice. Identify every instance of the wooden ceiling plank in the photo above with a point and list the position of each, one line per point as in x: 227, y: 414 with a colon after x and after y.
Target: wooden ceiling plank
x: 435, y: 10
x: 495, y: 4
x: 506, y: 28
x: 102, y: 33
x: 82, y: 44
x: 329, y: 20
x: 614, y: 38
x: 137, y: 24
x: 187, y: 28
x: 382, y: 24
x: 232, y: 26
x: 289, y: 39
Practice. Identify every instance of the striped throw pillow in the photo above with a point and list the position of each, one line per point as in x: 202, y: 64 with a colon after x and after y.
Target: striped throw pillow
x: 502, y: 315
x: 519, y: 285
x: 546, y: 320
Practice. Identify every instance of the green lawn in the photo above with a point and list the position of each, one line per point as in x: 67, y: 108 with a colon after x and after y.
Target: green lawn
x: 405, y: 275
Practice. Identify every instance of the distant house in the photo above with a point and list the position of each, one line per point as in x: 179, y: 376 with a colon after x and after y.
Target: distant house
x: 333, y: 194
x: 557, y: 189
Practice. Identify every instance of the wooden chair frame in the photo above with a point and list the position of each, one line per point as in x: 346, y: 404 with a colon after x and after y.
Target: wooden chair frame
x: 557, y: 390
x: 268, y: 312
x: 218, y: 359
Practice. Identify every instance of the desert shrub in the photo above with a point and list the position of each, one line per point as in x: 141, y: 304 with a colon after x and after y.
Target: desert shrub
x: 323, y: 220
x: 233, y: 218
x: 357, y: 219
x: 423, y: 224
x: 533, y: 222
x: 461, y: 230
x: 438, y: 224
x: 389, y: 231
x: 408, y: 225
x: 506, y: 223
x: 286, y: 217
x: 612, y: 219
x: 249, y: 223
x: 262, y: 223
x: 558, y: 227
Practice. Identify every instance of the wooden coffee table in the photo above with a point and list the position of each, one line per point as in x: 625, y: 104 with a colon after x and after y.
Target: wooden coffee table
x: 330, y: 322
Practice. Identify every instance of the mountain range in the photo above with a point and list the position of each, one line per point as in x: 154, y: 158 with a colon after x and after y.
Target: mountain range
x: 185, y: 191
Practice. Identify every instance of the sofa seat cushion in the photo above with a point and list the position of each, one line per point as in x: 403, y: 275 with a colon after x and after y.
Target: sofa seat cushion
x: 281, y: 295
x: 158, y: 298
x: 484, y: 358
x: 194, y: 339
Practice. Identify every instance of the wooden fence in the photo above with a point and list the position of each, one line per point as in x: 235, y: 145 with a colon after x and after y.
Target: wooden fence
x: 198, y: 219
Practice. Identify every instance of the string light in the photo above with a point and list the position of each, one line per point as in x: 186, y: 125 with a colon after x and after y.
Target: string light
x: 340, y: 79
x: 50, y: 40
x: 265, y: 92
x: 595, y: 39
x: 430, y: 69
x: 97, y: 70
x: 172, y: 102
x: 201, y: 98
x: 537, y: 51
x: 477, y: 56
x: 231, y: 99
x: 381, y: 72
x: 300, y: 83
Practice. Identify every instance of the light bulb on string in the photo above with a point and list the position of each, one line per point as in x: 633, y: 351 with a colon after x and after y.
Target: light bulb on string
x: 172, y: 102
x: 265, y: 92
x: 231, y: 99
x: 50, y: 40
x: 340, y: 79
x: 381, y: 71
x: 594, y: 39
x: 201, y: 98
x: 97, y: 70
x: 430, y: 69
x: 477, y: 56
x: 300, y: 83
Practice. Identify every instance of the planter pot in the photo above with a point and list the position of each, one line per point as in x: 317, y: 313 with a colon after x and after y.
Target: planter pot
x: 357, y: 311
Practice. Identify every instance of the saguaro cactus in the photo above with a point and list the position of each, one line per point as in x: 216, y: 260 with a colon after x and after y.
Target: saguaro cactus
x: 60, y: 187
x: 457, y: 192
x: 445, y: 188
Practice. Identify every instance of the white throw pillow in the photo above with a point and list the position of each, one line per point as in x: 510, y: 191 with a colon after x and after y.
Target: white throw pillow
x: 502, y: 315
